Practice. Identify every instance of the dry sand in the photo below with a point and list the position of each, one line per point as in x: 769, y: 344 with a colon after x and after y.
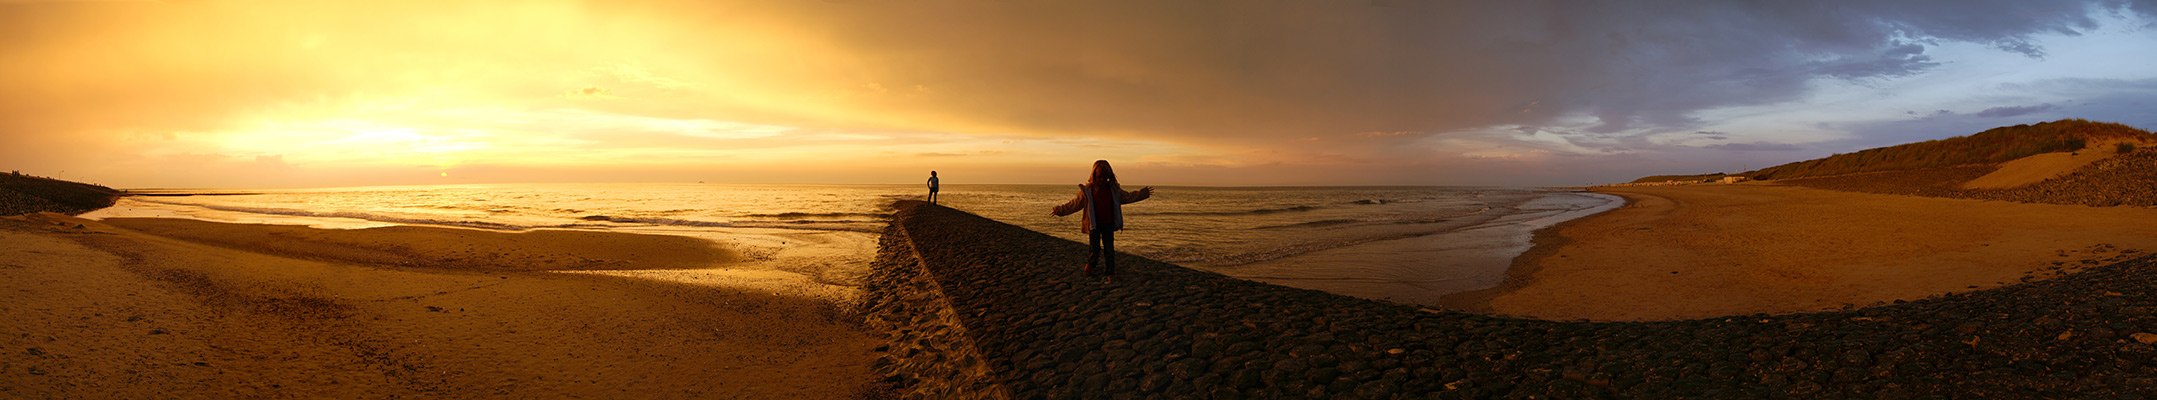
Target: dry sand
x: 2037, y: 168
x: 1718, y: 250
x: 251, y: 311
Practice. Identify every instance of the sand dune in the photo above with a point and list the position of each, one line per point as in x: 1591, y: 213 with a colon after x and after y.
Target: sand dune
x: 1717, y: 250
x: 2038, y: 168
x: 107, y: 312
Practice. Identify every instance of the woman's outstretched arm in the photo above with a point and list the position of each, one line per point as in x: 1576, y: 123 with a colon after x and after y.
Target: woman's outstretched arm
x: 1076, y: 204
x: 1136, y: 195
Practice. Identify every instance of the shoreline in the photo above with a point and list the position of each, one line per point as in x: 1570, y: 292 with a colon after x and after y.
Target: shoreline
x: 1543, y: 242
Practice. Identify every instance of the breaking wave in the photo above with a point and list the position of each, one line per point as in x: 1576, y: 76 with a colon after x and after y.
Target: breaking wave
x: 1244, y: 212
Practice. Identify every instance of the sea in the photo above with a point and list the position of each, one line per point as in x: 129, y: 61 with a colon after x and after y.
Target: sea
x: 1404, y: 244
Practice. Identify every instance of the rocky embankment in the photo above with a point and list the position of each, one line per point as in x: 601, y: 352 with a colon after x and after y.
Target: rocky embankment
x: 2127, y: 179
x: 983, y: 309
x: 22, y: 194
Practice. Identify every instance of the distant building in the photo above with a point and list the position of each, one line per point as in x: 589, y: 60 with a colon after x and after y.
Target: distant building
x: 1733, y: 179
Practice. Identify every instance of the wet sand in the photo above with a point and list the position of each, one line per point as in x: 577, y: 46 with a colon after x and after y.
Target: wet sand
x: 1719, y: 250
x: 252, y: 311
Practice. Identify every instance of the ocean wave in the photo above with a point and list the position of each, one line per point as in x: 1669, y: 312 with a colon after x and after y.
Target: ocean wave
x: 351, y: 215
x: 672, y: 222
x: 1245, y: 212
x: 804, y: 215
x: 1313, y: 224
x: 1234, y: 258
x: 1422, y: 221
x: 1373, y: 202
x: 188, y: 194
x: 825, y: 225
x: 870, y: 226
x: 1395, y: 221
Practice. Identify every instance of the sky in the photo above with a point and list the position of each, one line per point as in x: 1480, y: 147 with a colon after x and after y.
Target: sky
x: 272, y: 94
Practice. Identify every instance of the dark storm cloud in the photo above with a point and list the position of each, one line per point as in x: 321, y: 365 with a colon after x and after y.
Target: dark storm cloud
x: 2147, y: 8
x: 1289, y: 69
x: 2009, y: 111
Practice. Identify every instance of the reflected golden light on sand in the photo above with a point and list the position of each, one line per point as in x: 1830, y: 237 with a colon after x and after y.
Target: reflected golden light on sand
x: 767, y: 281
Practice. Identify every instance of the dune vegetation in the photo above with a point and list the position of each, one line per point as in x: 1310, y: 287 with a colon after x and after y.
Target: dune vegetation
x: 1991, y: 146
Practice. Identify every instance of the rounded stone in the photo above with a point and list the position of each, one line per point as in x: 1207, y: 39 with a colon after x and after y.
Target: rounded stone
x: 1292, y: 365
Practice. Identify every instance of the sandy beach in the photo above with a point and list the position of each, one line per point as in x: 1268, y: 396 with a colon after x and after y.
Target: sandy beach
x: 1718, y: 250
x: 142, y: 308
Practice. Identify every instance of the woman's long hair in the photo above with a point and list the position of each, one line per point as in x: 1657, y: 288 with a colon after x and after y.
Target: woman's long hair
x: 1103, y: 176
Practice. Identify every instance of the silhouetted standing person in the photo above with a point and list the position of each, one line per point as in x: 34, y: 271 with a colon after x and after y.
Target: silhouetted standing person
x: 1102, y: 198
x: 932, y: 187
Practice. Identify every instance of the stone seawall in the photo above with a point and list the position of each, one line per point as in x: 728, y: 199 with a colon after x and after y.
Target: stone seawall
x: 23, y: 194
x: 981, y: 309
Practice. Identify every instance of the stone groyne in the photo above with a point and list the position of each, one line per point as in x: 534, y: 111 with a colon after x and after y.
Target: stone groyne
x: 24, y: 194
x: 982, y: 309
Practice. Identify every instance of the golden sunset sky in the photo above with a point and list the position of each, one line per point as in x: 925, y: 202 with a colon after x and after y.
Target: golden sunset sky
x: 244, y: 94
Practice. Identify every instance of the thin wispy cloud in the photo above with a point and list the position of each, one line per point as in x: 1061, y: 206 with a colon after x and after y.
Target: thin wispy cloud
x: 2010, y: 111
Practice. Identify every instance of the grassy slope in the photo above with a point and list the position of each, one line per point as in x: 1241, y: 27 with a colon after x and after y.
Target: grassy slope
x: 1991, y: 146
